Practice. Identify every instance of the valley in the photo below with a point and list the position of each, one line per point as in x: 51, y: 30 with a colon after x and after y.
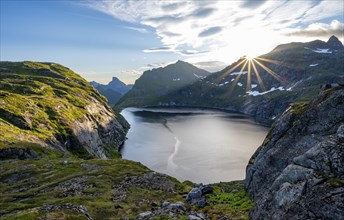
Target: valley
x: 61, y: 142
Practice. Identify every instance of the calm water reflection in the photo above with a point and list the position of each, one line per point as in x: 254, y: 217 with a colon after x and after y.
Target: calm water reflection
x: 199, y: 145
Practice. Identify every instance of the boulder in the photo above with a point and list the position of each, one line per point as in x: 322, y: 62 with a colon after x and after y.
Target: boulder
x: 195, y: 193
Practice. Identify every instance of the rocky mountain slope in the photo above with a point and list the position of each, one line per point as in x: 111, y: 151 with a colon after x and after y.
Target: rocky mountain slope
x: 45, y: 106
x: 298, y: 172
x: 113, y: 91
x: 157, y: 83
x: 263, y: 87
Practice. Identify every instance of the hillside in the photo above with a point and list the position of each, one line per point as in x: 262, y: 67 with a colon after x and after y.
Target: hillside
x: 54, y: 126
x: 157, y: 83
x: 45, y: 107
x: 298, y: 172
x: 113, y: 91
x: 265, y: 86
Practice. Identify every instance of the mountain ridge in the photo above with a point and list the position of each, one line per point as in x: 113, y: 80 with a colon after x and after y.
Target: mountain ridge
x: 294, y: 71
x: 113, y: 91
x: 161, y: 81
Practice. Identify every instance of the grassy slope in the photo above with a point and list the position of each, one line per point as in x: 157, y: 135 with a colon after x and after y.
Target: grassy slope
x: 39, y: 101
x: 36, y: 180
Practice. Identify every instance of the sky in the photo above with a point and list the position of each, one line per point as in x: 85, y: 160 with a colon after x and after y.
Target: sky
x: 100, y: 39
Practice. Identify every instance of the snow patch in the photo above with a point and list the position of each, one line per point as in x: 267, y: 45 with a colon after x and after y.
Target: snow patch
x: 199, y: 77
x: 315, y: 64
x: 291, y: 87
x: 176, y: 79
x: 238, y: 73
x: 239, y: 84
x: 254, y: 86
x: 222, y: 84
x: 257, y: 93
x: 320, y: 50
x: 232, y: 80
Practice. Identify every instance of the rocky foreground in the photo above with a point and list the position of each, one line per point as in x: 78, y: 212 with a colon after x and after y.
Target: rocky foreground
x: 71, y: 188
x: 298, y: 172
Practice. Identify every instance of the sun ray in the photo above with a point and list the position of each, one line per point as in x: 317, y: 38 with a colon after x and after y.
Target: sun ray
x: 260, y: 81
x: 272, y: 73
x: 269, y: 61
x: 229, y: 71
x: 231, y: 89
x: 248, y: 82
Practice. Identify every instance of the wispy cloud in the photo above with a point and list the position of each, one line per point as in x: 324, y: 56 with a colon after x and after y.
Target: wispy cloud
x: 223, y: 30
x: 159, y: 49
x: 319, y: 30
x: 210, y: 31
x: 141, y: 30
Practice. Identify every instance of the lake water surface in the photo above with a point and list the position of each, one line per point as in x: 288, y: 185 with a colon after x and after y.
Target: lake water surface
x: 192, y: 144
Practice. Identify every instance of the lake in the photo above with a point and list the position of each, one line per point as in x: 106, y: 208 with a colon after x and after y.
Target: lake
x: 199, y: 145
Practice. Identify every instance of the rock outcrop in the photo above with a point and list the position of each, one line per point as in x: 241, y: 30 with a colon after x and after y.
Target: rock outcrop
x: 298, y: 172
x: 51, y: 106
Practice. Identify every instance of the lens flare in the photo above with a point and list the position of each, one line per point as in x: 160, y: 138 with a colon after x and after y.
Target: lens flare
x: 249, y: 64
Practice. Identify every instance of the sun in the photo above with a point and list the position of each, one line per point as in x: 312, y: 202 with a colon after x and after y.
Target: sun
x: 250, y: 56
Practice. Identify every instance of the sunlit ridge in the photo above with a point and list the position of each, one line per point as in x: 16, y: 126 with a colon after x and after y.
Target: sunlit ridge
x: 249, y: 63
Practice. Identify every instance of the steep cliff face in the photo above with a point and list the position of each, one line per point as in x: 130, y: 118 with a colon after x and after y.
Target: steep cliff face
x: 52, y: 107
x: 298, y: 172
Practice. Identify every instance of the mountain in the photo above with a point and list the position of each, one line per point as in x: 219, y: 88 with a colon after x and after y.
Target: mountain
x: 113, y: 91
x: 156, y: 83
x: 46, y: 106
x: 289, y: 73
x: 298, y: 172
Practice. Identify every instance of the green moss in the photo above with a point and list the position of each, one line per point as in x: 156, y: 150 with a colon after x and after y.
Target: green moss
x: 336, y: 182
x: 299, y: 107
x: 230, y: 200
x: 40, y: 102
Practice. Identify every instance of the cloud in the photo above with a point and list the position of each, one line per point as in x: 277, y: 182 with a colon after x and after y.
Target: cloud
x: 319, y: 30
x: 225, y: 31
x: 190, y: 52
x: 171, y: 49
x: 158, y: 49
x: 203, y: 13
x: 141, y: 30
x: 211, y: 66
x: 210, y: 31
x: 252, y: 4
x: 172, y: 6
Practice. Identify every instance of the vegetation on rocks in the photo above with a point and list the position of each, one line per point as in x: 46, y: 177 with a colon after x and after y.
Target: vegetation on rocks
x: 53, y: 107
x: 53, y: 124
x: 72, y: 188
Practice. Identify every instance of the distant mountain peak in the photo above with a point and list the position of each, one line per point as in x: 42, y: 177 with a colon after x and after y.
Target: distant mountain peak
x: 180, y: 62
x: 115, y: 83
x: 335, y: 43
